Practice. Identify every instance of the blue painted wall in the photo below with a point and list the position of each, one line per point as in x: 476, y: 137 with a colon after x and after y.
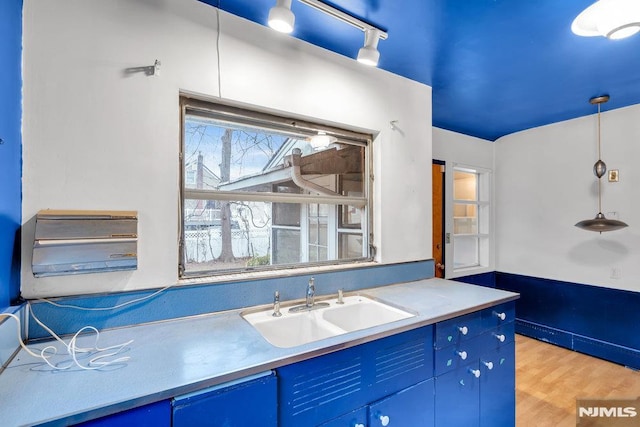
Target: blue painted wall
x: 192, y: 300
x: 484, y: 279
x: 590, y: 319
x: 10, y: 148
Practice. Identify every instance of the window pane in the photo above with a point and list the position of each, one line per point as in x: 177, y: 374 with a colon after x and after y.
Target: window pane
x: 225, y: 156
x: 465, y: 219
x: 350, y: 246
x: 466, y: 252
x: 225, y: 235
x: 465, y: 186
x: 286, y: 246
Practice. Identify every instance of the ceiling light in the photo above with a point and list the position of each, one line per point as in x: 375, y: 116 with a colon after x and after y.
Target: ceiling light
x: 281, y: 18
x: 613, y: 19
x: 321, y: 140
x: 369, y: 54
x: 600, y: 223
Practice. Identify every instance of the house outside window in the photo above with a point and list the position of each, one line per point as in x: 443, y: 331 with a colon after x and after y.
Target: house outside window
x: 259, y: 193
x: 471, y: 219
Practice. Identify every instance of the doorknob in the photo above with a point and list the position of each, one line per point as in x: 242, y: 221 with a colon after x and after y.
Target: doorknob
x: 440, y: 266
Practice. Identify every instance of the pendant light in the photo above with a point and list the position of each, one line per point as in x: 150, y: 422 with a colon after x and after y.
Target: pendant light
x: 600, y: 223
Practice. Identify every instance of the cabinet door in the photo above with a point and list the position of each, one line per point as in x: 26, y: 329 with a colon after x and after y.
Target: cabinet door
x: 153, y: 415
x: 497, y: 387
x: 247, y: 403
x: 357, y: 418
x: 457, y: 397
x: 413, y: 406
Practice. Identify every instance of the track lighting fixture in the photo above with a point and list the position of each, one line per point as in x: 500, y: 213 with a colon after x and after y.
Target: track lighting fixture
x: 369, y: 54
x: 281, y: 18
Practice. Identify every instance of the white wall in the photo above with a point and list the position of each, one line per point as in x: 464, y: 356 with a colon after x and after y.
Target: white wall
x: 457, y: 149
x: 545, y: 184
x: 94, y: 138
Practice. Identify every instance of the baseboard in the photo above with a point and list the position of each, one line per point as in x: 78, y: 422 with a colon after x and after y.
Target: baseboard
x: 604, y: 350
x: 544, y: 333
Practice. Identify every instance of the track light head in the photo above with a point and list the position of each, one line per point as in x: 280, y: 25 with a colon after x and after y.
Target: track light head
x: 281, y: 18
x: 369, y: 54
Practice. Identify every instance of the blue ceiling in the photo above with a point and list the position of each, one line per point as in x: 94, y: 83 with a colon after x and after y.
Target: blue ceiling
x: 495, y: 66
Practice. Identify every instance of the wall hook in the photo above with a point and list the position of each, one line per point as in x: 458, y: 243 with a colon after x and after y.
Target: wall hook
x: 149, y: 70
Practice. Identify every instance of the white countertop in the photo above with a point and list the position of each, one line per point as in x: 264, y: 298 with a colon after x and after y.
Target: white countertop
x: 174, y: 357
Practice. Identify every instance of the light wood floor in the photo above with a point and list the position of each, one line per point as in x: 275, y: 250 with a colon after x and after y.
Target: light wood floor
x: 550, y: 378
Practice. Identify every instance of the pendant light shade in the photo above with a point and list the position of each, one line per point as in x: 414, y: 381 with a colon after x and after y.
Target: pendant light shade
x: 600, y: 223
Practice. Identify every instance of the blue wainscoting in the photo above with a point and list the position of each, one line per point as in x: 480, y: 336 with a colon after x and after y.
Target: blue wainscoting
x: 589, y: 319
x: 181, y: 301
x: 484, y: 279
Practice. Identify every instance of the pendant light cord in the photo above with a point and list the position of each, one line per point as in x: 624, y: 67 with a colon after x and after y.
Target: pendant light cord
x: 599, y: 158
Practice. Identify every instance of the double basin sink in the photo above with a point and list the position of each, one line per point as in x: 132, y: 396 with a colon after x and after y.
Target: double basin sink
x: 329, y: 318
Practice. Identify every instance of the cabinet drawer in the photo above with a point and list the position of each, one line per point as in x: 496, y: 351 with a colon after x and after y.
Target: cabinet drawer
x: 455, y: 356
x: 458, y: 329
x: 499, y: 315
x: 500, y: 336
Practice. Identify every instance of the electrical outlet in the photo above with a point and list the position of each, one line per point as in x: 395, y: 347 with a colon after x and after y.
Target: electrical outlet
x: 616, y: 273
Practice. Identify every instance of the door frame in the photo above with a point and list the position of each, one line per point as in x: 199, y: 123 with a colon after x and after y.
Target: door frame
x: 442, y: 164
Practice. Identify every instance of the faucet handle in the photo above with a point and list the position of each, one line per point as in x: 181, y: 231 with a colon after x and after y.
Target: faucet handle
x: 276, y: 304
x: 340, y: 297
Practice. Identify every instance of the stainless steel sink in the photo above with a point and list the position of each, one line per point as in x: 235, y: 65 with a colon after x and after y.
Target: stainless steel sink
x: 292, y: 329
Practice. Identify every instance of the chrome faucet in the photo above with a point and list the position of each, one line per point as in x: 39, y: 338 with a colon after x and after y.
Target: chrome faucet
x: 311, y: 292
x: 310, y: 303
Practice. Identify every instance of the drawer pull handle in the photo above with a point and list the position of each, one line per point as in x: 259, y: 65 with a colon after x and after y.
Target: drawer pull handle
x: 500, y: 337
x: 358, y: 425
x: 475, y: 372
x: 501, y: 316
x: 463, y: 330
x: 384, y: 420
x: 489, y: 365
x: 463, y: 355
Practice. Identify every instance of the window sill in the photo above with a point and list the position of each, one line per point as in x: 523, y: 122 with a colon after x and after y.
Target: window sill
x: 273, y: 274
x: 469, y: 271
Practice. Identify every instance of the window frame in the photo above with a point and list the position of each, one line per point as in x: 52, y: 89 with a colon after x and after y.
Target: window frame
x: 251, y: 116
x: 484, y: 234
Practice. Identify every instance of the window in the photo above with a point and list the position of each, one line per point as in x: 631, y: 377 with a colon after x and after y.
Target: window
x: 471, y: 218
x: 258, y: 192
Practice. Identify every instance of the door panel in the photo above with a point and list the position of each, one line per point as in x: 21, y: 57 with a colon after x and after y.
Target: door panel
x: 437, y: 171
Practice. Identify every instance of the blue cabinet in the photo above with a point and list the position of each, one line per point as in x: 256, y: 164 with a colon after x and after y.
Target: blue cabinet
x: 250, y: 402
x: 475, y: 369
x: 331, y: 388
x: 458, y: 372
x: 153, y: 415
x: 497, y: 385
x: 413, y: 406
